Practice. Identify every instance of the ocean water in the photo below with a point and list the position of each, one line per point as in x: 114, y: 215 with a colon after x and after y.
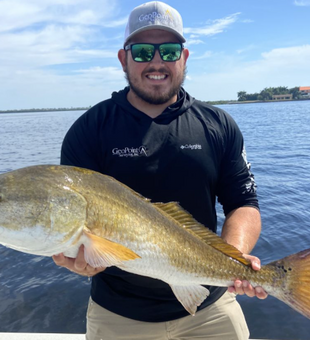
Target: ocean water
x: 38, y: 296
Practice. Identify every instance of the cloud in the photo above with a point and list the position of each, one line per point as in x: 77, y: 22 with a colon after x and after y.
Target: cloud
x: 50, y: 46
x: 54, y: 32
x: 43, y: 88
x: 193, y: 41
x: 106, y: 73
x: 216, y: 27
x: 247, y: 21
x: 47, y: 48
x: 302, y: 3
x: 205, y: 55
x: 15, y: 14
x: 246, y: 49
x: 277, y: 67
x: 292, y: 57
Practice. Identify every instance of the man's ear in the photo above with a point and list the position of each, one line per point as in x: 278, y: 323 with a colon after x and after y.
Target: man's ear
x: 122, y: 58
x: 185, y: 54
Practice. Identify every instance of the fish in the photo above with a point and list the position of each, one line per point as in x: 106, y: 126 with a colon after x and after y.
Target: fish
x: 50, y: 209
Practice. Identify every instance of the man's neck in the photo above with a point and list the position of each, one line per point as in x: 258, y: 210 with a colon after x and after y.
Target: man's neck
x: 150, y: 110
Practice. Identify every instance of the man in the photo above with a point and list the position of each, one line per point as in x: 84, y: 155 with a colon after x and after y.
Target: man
x: 161, y: 142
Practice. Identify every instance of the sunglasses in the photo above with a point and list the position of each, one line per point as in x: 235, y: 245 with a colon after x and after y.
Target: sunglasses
x: 143, y: 53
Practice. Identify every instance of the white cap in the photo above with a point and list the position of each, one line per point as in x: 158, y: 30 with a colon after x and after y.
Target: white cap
x: 154, y: 15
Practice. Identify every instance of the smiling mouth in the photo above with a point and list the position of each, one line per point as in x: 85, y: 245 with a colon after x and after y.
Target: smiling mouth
x: 156, y: 77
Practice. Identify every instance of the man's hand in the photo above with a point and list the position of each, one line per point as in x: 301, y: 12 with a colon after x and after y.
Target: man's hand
x: 77, y: 265
x: 244, y: 287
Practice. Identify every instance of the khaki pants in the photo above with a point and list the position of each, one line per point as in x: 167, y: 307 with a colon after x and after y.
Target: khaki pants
x: 223, y: 320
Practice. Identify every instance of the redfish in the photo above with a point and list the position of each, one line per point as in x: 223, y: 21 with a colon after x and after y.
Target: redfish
x: 51, y: 209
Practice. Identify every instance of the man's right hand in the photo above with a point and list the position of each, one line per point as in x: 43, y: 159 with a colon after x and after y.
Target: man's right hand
x: 77, y: 265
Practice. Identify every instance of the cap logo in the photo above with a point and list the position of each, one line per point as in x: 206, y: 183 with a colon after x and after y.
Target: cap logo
x: 155, y: 15
x: 168, y: 13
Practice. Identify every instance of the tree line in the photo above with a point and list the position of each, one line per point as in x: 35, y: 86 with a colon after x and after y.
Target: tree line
x: 268, y: 92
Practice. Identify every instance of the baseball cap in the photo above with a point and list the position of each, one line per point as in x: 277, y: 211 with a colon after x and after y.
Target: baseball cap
x: 154, y: 15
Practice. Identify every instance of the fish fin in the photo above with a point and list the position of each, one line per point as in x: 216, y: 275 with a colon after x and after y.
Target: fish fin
x: 295, y: 281
x: 100, y: 252
x: 187, y: 222
x: 190, y: 296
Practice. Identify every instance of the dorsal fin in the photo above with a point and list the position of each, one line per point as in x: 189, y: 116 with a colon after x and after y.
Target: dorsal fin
x: 187, y: 222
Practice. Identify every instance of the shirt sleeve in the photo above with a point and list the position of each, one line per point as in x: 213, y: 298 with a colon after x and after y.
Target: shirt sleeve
x: 236, y: 185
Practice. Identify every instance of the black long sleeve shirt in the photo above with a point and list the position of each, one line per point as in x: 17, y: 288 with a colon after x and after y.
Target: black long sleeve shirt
x: 192, y: 153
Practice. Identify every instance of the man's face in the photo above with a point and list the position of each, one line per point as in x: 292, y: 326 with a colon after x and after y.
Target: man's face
x: 155, y: 82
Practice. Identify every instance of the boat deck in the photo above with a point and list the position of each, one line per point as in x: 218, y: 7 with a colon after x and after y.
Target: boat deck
x: 44, y: 336
x: 41, y: 336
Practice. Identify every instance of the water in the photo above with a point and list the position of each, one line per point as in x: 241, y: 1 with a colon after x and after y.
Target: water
x: 277, y: 138
x: 37, y: 296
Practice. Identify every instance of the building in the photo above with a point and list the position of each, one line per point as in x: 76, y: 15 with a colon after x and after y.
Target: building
x: 305, y: 91
x: 288, y: 96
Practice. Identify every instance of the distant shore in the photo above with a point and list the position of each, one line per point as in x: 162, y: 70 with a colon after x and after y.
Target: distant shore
x: 46, y: 110
x: 217, y: 102
x: 224, y: 102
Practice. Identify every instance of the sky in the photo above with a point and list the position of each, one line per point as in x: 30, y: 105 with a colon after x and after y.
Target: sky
x: 63, y: 53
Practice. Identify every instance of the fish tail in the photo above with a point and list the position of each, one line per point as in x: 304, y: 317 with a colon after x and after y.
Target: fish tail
x: 295, y: 274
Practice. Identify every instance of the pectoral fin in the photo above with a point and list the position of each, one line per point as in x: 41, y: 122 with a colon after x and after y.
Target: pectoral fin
x: 190, y: 296
x: 100, y: 252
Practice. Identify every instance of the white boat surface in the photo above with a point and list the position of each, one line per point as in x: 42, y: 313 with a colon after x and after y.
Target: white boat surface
x: 41, y: 336
x: 45, y: 336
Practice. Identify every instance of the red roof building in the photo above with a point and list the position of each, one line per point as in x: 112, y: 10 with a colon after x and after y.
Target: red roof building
x: 304, y: 89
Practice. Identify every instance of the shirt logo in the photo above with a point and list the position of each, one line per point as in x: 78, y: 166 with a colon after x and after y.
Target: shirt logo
x: 191, y: 147
x: 130, y: 152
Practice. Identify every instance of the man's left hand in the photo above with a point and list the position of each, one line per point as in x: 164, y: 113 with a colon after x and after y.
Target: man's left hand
x: 244, y: 287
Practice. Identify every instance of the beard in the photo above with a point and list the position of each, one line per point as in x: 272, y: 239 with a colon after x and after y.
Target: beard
x: 157, y: 96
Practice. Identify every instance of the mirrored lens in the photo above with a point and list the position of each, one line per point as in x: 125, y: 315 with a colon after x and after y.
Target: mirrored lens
x: 142, y: 52
x: 146, y: 52
x: 170, y: 52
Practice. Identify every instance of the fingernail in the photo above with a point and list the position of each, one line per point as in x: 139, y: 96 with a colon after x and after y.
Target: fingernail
x: 258, y: 290
x: 245, y: 284
x: 238, y: 284
x: 256, y: 264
